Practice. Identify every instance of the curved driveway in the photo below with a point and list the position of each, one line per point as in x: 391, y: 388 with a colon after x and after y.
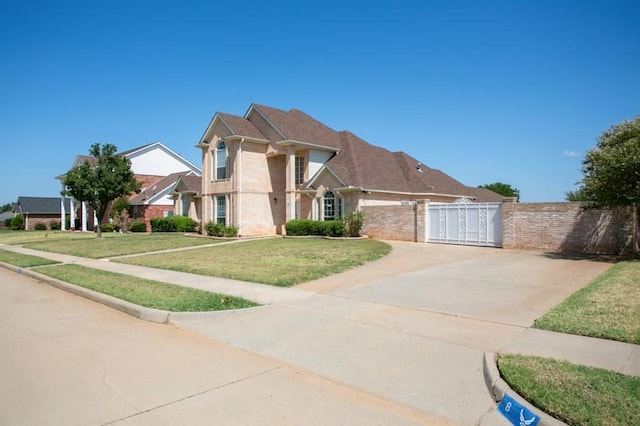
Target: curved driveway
x: 412, y: 327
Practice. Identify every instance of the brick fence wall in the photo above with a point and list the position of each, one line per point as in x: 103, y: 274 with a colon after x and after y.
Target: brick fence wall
x: 405, y: 222
x: 563, y: 227
x: 553, y: 227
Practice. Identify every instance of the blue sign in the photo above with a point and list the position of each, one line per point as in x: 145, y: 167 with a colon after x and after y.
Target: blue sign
x: 516, y: 413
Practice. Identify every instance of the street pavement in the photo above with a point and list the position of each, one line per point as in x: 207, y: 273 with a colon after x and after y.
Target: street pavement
x: 412, y: 329
x: 69, y: 361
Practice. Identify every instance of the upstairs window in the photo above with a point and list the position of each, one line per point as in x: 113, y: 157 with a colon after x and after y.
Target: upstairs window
x: 221, y: 161
x: 299, y: 170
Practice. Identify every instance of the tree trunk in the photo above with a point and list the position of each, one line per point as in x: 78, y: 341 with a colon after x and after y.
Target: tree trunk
x: 634, y: 228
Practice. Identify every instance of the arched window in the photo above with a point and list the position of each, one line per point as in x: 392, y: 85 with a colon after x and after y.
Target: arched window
x: 221, y: 161
x: 332, y: 208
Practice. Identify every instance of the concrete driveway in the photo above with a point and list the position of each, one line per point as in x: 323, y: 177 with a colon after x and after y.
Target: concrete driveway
x: 411, y: 328
x: 397, y: 341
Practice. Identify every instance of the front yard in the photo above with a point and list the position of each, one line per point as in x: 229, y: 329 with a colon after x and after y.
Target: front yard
x: 277, y: 261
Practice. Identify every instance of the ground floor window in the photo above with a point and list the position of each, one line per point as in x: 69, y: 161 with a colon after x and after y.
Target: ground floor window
x: 332, y: 206
x: 221, y: 209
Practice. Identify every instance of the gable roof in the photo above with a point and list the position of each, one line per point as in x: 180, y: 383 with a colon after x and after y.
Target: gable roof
x: 160, y: 189
x: 190, y: 183
x: 40, y: 205
x: 130, y: 153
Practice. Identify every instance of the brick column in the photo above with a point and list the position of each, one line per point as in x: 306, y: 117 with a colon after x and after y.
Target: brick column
x: 290, y: 184
x: 422, y: 221
x: 509, y: 222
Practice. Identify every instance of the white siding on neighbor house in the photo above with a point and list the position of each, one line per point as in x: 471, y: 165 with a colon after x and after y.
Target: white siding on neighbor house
x: 317, y: 160
x: 157, y: 162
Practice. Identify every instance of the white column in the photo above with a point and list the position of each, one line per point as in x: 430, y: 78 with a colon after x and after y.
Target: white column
x: 84, y: 216
x: 72, y: 214
x: 63, y: 214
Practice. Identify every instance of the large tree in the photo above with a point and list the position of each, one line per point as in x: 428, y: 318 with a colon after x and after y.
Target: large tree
x: 611, y: 171
x: 101, y: 181
x: 503, y: 189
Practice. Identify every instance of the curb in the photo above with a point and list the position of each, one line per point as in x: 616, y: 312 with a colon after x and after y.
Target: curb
x: 498, y: 387
x: 147, y: 314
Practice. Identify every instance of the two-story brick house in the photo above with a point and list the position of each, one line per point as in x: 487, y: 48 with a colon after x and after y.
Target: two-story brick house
x: 269, y: 166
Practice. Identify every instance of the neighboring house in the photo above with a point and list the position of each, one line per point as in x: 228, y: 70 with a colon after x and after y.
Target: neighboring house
x: 40, y: 210
x: 157, y: 168
x: 271, y: 166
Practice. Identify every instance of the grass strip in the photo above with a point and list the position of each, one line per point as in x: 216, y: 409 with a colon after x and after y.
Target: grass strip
x: 23, y: 260
x: 115, y: 244
x: 575, y: 394
x: 143, y: 292
x: 279, y: 262
x: 608, y: 308
x: 24, y: 237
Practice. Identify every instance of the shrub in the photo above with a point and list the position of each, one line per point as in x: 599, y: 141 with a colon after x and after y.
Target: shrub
x: 353, y: 223
x: 40, y: 226
x: 107, y: 227
x: 219, y: 230
x: 55, y: 226
x: 173, y: 224
x: 17, y: 222
x: 7, y: 223
x: 162, y: 224
x: 138, y: 226
x: 118, y: 206
x: 333, y: 228
x: 299, y: 227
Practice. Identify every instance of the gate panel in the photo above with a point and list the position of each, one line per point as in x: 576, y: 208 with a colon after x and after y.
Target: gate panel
x: 478, y: 224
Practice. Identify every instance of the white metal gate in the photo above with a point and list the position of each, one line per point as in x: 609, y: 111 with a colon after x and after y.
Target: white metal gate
x: 478, y: 224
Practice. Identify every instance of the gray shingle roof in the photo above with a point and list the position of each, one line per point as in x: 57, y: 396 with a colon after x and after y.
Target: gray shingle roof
x: 361, y: 164
x: 40, y: 205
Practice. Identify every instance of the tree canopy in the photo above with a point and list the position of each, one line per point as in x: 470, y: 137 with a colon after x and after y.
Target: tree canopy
x: 99, y: 182
x: 611, y: 171
x: 503, y: 189
x: 6, y: 207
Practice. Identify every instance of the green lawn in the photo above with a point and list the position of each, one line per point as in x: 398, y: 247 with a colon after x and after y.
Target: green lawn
x: 23, y: 260
x: 143, y: 292
x: 115, y: 244
x: 575, y: 394
x: 608, y: 308
x: 278, y: 261
x: 24, y: 237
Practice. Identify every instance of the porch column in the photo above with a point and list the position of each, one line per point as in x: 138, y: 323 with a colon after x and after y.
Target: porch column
x: 290, y: 185
x: 84, y: 216
x: 72, y: 214
x: 63, y: 214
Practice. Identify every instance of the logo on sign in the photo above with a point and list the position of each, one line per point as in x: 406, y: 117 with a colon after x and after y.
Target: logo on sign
x: 516, y: 413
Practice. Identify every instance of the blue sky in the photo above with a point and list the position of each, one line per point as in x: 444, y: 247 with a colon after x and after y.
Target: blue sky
x: 513, y: 91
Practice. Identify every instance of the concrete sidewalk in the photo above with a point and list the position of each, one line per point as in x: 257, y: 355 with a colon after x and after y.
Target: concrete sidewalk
x: 415, y: 327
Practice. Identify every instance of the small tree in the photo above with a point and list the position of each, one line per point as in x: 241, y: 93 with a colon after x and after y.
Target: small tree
x: 611, y: 171
x: 503, y: 189
x: 120, y: 214
x: 102, y: 181
x: 17, y: 222
x: 353, y: 223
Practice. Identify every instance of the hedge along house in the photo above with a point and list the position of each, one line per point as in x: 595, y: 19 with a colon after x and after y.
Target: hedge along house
x: 271, y: 166
x: 156, y: 167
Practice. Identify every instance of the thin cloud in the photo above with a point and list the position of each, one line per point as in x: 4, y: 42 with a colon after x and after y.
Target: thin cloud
x: 570, y: 154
